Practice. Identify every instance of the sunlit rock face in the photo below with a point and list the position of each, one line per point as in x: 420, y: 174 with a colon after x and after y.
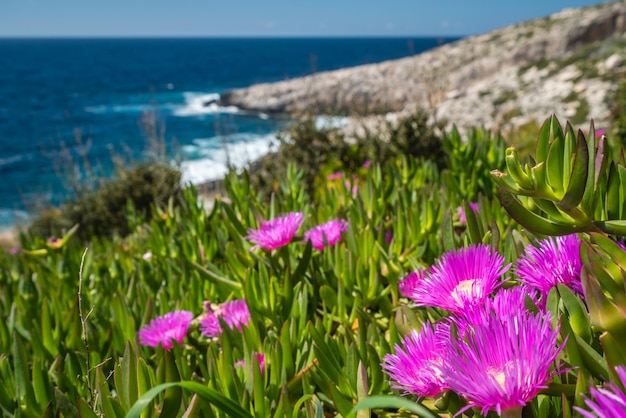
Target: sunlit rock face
x: 501, y: 79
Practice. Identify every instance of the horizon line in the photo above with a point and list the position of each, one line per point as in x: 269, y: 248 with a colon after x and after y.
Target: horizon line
x: 51, y: 37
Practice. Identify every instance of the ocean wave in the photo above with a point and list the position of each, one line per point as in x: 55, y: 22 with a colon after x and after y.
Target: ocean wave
x: 202, y: 104
x: 212, y: 155
x: 129, y: 108
x: 13, y: 159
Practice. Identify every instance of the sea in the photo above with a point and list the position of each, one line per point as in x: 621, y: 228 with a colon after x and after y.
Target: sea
x: 70, y: 107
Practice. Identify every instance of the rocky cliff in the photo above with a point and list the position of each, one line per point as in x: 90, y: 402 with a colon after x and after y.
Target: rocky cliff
x: 565, y: 63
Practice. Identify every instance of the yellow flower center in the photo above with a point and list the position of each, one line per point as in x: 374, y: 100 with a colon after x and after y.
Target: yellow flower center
x: 463, y: 289
x: 498, y: 375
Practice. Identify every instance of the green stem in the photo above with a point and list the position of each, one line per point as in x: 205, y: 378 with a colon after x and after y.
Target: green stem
x: 514, y: 412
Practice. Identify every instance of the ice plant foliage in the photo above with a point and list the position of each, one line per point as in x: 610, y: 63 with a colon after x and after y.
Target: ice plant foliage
x: 555, y: 261
x: 277, y: 232
x: 608, y: 402
x: 328, y: 233
x: 163, y: 329
x: 502, y: 363
x: 460, y: 279
x: 235, y: 313
x: 416, y: 365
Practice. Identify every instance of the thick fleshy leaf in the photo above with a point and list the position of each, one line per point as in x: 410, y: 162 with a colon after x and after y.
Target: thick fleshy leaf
x: 392, y: 402
x: 578, y: 179
x: 554, y: 166
x: 577, y: 312
x: 217, y: 399
x: 612, y: 227
x: 531, y: 220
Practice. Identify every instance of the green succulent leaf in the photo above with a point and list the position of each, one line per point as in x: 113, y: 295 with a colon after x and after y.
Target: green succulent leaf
x: 220, y: 401
x: 578, y: 179
x: 531, y: 220
x: 612, y: 227
x: 395, y: 402
x: 554, y: 166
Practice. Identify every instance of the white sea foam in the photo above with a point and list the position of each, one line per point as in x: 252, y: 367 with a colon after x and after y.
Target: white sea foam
x: 13, y: 159
x: 201, y: 104
x: 330, y: 122
x: 214, y: 153
x: 128, y: 108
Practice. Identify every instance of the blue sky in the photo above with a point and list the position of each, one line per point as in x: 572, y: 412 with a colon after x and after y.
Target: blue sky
x: 268, y: 17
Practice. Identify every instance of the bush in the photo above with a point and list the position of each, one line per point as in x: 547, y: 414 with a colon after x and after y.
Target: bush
x: 617, y: 102
x: 102, y: 211
x: 318, y: 152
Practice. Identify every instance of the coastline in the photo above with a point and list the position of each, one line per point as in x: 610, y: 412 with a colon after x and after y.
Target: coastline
x: 563, y: 64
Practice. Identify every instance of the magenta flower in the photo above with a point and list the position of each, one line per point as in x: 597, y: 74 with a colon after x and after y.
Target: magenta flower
x: 461, y: 212
x: 408, y: 284
x: 460, y: 279
x: 163, y: 329
x: 388, y: 236
x: 367, y: 164
x: 609, y: 401
x: 416, y: 365
x: 335, y: 176
x: 600, y: 132
x: 506, y: 302
x: 326, y: 233
x: 276, y: 232
x: 260, y: 358
x: 235, y: 313
x: 502, y: 363
x: 353, y: 187
x: 556, y: 260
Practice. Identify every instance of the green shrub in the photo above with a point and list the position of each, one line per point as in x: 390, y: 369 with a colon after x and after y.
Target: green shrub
x: 617, y: 102
x: 319, y: 152
x: 102, y: 211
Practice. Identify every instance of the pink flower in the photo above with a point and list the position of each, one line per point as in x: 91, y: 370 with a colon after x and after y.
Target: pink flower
x: 235, y: 313
x: 163, y: 329
x: 502, y: 363
x: 388, y: 236
x: 461, y: 212
x: 260, y: 357
x: 411, y: 282
x: 416, y: 365
x: 505, y: 303
x: 353, y: 187
x: 555, y: 261
x: 277, y: 232
x: 367, y: 164
x: 326, y: 233
x: 461, y: 279
x: 600, y: 132
x: 609, y: 401
x: 335, y: 176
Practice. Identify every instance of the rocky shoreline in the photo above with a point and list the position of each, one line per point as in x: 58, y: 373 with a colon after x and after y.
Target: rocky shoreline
x: 565, y: 63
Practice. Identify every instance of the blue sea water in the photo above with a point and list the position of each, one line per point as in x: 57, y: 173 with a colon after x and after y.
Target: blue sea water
x: 65, y: 102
